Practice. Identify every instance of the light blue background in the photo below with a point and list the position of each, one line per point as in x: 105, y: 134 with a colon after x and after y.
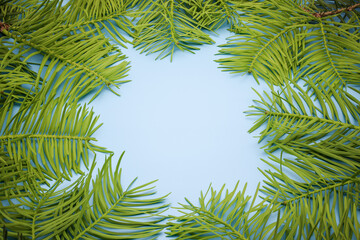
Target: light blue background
x: 182, y: 123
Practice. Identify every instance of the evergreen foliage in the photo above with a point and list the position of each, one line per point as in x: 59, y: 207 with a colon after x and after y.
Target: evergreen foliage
x: 212, y: 15
x: 52, y: 54
x: 164, y: 26
x: 283, y: 40
x: 52, y: 213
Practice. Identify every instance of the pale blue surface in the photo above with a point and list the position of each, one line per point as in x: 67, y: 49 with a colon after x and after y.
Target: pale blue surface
x: 182, y: 123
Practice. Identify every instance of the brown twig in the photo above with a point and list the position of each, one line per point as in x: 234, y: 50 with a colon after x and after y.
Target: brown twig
x: 4, y: 26
x: 329, y: 13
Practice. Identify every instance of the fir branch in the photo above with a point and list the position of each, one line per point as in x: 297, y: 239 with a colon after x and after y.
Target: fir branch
x: 163, y: 27
x: 14, y: 77
x: 54, y: 136
x: 330, y: 186
x: 292, y: 116
x: 116, y: 21
x: 53, y: 54
x: 295, y: 47
x: 229, y: 215
x: 211, y: 15
x: 115, y: 205
x: 36, y: 136
x: 313, y: 119
x: 87, y: 58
